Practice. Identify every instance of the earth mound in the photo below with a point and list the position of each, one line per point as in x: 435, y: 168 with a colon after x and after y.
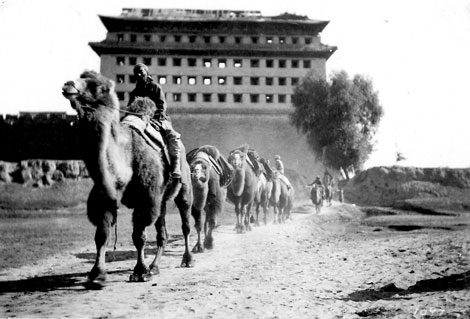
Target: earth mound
x: 425, y: 189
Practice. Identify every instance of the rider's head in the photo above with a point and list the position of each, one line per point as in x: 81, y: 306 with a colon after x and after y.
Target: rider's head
x: 277, y: 157
x: 141, y: 72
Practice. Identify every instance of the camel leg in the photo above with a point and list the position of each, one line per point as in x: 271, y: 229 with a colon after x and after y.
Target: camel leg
x: 265, y: 214
x: 183, y: 201
x: 211, y: 221
x: 162, y: 238
x: 248, y: 216
x: 103, y: 218
x: 141, y: 271
x: 257, y: 214
x: 238, y: 212
x: 197, y: 215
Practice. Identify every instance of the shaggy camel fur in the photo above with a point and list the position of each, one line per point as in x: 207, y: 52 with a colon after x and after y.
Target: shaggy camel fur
x: 124, y: 168
x: 208, y: 194
x: 282, y: 199
x: 242, y: 191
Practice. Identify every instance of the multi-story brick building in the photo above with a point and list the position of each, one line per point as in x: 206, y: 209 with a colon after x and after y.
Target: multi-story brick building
x: 220, y: 67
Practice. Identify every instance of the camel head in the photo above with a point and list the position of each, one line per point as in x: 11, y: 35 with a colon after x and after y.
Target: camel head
x: 237, y: 158
x: 89, y: 92
x: 200, y: 171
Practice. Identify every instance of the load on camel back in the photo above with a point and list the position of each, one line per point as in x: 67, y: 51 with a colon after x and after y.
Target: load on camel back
x: 128, y: 165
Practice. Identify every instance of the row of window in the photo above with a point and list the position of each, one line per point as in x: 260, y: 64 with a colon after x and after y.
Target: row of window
x: 221, y: 80
x: 207, y: 39
x: 221, y: 63
x: 221, y: 97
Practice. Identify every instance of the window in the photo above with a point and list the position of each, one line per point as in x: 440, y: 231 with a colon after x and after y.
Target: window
x: 121, y: 96
x: 120, y: 78
x: 237, y: 80
x: 282, y: 64
x: 177, y: 97
x: 222, y: 63
x: 120, y: 37
x: 132, y: 78
x: 162, y: 38
x: 207, y: 97
x: 254, y: 40
x: 120, y: 60
x: 269, y: 63
x: 207, y: 39
x: 254, y: 80
x: 295, y: 81
x: 133, y: 37
x: 238, y: 98
x: 191, y: 80
x: 177, y: 79
x: 254, y: 98
x: 281, y: 98
x: 295, y: 64
x: 161, y: 61
x: 307, y: 64
x: 269, y: 40
x: 147, y: 61
x: 282, y: 40
x: 237, y: 63
x: 221, y: 39
x: 162, y: 79
x: 192, y: 39
x: 207, y: 80
x: 177, y: 38
x: 222, y: 97
x: 133, y: 60
x: 207, y: 63
x: 254, y: 63
x: 147, y: 12
x: 269, y: 81
x: 295, y: 40
x: 308, y: 40
x: 222, y: 80
x: 176, y: 61
x: 238, y: 40
x: 192, y: 97
x: 147, y: 37
x: 282, y: 81
x: 192, y: 62
x: 269, y: 98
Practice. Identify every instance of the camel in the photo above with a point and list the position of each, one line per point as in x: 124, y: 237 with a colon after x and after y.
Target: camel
x: 242, y: 191
x: 282, y: 199
x: 125, y: 169
x: 208, y: 193
x: 316, y: 195
x: 263, y: 194
x: 329, y: 192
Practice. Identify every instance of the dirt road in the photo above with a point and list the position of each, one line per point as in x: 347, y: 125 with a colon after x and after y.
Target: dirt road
x: 315, y: 266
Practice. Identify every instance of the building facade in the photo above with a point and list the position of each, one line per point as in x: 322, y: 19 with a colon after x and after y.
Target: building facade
x: 218, y: 67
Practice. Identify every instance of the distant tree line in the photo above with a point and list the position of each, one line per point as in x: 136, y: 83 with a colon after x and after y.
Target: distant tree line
x: 38, y: 136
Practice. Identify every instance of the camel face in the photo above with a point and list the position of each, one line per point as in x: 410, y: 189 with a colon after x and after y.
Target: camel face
x: 236, y: 159
x: 90, y: 90
x: 198, y: 172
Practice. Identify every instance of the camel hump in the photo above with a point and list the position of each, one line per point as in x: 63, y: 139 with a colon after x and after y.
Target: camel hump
x: 151, y: 136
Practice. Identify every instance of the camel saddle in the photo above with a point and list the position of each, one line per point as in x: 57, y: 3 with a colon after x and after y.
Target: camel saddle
x: 152, y: 136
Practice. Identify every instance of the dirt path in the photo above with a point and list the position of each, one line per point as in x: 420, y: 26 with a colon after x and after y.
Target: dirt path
x: 325, y: 266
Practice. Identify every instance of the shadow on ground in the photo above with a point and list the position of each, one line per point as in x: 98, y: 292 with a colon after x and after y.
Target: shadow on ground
x: 448, y: 283
x: 48, y: 283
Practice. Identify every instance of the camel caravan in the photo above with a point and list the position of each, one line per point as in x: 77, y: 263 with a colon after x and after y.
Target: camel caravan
x: 130, y: 163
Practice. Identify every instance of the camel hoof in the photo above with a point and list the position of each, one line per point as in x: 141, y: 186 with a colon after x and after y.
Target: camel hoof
x: 154, y: 270
x: 96, y: 279
x: 198, y: 248
x: 209, y: 243
x: 141, y: 277
x: 188, y: 261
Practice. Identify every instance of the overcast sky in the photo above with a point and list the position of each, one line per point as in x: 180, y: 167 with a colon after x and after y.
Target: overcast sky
x: 416, y: 52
